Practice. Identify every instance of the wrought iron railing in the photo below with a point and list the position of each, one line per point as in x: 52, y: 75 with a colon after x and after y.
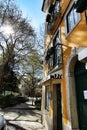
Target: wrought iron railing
x: 54, y: 12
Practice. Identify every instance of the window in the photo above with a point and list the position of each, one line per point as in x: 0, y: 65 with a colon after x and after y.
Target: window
x: 57, y: 7
x: 47, y: 100
x: 72, y: 19
x: 57, y: 55
x: 57, y: 50
x: 51, y: 62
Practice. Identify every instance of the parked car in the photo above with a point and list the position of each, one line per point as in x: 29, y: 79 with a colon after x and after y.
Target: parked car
x: 3, y: 125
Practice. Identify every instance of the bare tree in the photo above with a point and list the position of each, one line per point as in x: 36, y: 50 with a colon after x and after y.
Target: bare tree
x: 32, y: 70
x: 17, y: 37
x: 40, y: 39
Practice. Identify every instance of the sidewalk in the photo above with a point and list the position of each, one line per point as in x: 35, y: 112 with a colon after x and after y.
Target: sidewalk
x: 23, y: 117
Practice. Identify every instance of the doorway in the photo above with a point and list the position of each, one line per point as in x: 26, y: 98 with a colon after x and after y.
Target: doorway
x: 57, y: 107
x: 81, y: 94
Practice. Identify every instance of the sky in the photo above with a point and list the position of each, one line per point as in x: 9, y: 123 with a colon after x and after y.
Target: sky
x: 32, y: 10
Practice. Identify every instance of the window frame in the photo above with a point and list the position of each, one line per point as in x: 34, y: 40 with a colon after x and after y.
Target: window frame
x: 55, y: 45
x: 56, y: 7
x: 47, y: 99
x: 57, y: 56
x: 66, y: 18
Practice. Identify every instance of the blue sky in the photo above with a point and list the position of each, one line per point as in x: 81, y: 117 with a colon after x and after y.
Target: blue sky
x: 32, y: 10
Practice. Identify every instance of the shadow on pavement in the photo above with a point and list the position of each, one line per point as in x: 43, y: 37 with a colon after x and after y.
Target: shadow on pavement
x: 14, y: 126
x: 23, y: 109
x: 23, y: 112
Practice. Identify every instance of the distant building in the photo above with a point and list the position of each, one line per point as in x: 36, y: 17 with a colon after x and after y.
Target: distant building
x: 64, y: 85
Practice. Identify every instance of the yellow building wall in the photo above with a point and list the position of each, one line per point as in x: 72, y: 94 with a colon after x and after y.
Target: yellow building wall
x: 51, y: 102
x: 64, y: 101
x: 77, y: 38
x: 64, y: 5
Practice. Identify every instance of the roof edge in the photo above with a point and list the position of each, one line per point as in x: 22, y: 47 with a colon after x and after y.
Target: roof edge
x: 43, y: 6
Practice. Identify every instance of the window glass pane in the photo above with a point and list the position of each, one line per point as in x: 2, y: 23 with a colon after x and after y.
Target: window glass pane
x: 51, y: 61
x: 57, y: 7
x: 57, y: 55
x: 72, y: 19
x: 57, y: 50
x: 47, y: 98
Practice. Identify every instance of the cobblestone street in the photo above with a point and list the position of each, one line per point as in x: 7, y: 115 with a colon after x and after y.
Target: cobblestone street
x: 23, y: 117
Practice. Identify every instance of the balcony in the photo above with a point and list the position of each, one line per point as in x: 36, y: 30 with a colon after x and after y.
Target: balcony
x: 53, y: 57
x: 53, y: 15
x: 45, y: 5
x: 81, y: 5
x: 50, y: 27
x: 49, y: 53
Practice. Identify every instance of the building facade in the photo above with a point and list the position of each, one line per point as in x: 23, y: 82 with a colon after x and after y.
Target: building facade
x: 64, y: 85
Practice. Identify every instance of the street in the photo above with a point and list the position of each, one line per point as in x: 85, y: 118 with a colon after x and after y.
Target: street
x: 23, y: 117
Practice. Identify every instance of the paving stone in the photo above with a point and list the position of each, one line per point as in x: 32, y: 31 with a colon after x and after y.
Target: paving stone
x: 23, y: 117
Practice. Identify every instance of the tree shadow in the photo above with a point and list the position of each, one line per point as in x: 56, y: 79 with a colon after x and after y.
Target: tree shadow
x: 14, y: 126
x: 20, y: 111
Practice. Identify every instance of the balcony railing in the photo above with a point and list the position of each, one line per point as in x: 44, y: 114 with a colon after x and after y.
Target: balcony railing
x: 50, y: 27
x: 54, y: 57
x: 49, y: 53
x: 54, y: 12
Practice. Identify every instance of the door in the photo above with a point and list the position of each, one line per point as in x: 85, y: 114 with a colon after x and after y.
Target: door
x: 57, y: 108
x: 81, y: 94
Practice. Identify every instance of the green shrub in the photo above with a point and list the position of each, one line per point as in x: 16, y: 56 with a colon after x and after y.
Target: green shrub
x: 11, y: 100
